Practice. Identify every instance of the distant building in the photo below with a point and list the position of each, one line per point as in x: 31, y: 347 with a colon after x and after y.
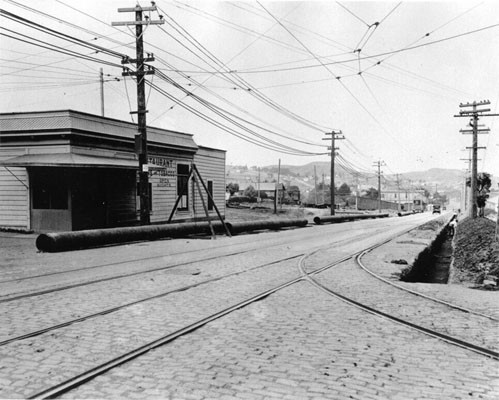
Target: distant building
x: 68, y: 170
x: 409, y: 199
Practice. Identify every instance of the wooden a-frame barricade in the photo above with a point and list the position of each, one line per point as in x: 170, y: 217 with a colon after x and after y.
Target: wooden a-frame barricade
x: 193, y: 172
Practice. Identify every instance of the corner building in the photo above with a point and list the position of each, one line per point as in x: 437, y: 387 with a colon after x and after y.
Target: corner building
x: 67, y: 170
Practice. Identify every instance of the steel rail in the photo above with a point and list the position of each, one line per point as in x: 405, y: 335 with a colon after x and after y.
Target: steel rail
x: 120, y: 307
x: 67, y: 287
x: 78, y: 380
x: 117, y: 263
x: 358, y: 260
x: 449, y: 339
x: 117, y: 308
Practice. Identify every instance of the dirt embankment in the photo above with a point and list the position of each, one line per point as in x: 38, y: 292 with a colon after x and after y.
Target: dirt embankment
x: 476, y: 253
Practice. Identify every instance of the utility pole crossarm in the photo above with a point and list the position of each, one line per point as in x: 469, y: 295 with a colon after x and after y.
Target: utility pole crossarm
x: 334, y: 136
x: 140, y: 72
x: 475, y: 114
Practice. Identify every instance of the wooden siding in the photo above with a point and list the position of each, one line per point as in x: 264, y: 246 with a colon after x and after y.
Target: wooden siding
x: 211, y: 166
x: 14, y: 195
x: 164, y: 191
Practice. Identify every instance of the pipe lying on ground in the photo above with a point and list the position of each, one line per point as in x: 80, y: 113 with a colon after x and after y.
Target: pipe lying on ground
x: 77, y: 240
x: 343, y: 218
x: 404, y: 214
x: 63, y: 241
x: 248, y: 226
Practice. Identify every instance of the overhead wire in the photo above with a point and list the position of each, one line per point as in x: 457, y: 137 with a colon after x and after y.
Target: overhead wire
x: 352, y: 13
x: 65, y: 22
x: 253, y: 90
x: 230, y: 117
x: 244, y: 88
x: 67, y: 52
x: 392, y: 52
x: 223, y: 127
x: 60, y: 35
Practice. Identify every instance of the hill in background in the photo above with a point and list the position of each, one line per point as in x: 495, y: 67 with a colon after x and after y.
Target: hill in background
x: 444, y: 181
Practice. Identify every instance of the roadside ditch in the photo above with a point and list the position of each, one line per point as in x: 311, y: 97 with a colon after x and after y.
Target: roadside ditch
x: 433, y: 264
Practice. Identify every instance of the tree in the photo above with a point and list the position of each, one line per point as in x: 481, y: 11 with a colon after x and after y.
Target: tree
x: 439, y: 198
x: 483, y: 184
x: 294, y: 193
x: 233, y: 188
x: 250, y: 192
x: 372, y: 193
x: 344, y: 190
x: 483, y: 188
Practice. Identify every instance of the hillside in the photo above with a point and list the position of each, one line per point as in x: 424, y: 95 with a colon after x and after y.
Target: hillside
x: 444, y: 181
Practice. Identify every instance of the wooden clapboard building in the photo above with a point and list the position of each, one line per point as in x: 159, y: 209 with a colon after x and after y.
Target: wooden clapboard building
x: 68, y: 170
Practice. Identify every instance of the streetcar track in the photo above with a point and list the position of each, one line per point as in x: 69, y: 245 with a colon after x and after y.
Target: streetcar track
x: 15, y: 280
x: 113, y: 264
x: 122, y: 306
x: 92, y: 373
x: 415, y: 292
x: 114, y: 277
x: 447, y: 338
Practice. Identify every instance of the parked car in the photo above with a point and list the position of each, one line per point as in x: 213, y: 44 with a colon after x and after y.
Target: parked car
x: 436, y: 209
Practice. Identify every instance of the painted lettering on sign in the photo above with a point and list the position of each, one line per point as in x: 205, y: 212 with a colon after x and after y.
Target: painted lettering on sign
x: 161, y: 162
x: 162, y: 166
x: 164, y: 182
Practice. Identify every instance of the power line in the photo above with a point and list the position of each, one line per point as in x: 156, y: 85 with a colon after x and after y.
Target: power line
x: 321, y: 64
x: 59, y: 35
x: 351, y: 13
x: 230, y: 117
x: 46, y: 45
x: 254, y: 91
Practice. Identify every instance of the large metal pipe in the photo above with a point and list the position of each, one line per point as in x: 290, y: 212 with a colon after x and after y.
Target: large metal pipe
x: 248, y: 226
x: 63, y: 241
x: 349, y: 217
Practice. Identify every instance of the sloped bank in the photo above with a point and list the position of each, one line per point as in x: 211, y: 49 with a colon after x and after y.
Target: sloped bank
x: 476, y: 254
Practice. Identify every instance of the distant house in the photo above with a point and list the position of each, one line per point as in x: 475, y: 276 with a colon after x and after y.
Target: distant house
x: 269, y: 188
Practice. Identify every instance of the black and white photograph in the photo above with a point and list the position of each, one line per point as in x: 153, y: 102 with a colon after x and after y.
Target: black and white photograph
x: 249, y: 200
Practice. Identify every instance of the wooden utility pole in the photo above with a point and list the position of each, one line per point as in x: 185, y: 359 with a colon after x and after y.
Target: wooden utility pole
x: 474, y: 113
x: 258, y: 199
x: 334, y: 136
x: 140, y: 72
x: 379, y: 164
x: 315, y: 184
x: 398, y: 193
x: 101, y: 78
x: 323, y: 190
x: 276, y: 195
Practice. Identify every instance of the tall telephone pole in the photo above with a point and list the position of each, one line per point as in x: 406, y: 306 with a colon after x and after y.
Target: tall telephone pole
x: 379, y: 164
x: 101, y: 78
x: 140, y: 72
x: 474, y: 113
x: 334, y: 136
x: 398, y: 193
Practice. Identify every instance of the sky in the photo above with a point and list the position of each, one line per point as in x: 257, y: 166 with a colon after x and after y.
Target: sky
x: 267, y: 80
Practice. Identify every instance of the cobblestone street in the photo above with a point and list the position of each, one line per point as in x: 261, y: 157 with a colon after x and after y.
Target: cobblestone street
x: 297, y: 343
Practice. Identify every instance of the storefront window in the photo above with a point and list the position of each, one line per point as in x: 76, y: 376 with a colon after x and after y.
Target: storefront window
x: 182, y: 186
x: 49, y: 190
